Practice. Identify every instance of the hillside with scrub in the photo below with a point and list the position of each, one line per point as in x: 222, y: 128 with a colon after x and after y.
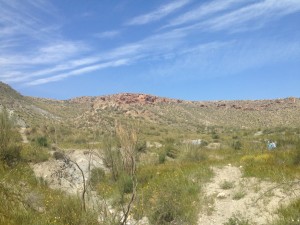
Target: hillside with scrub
x: 143, y: 159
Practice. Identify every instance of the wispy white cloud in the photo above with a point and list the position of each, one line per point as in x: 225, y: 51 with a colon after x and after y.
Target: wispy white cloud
x: 205, y: 10
x: 120, y: 62
x: 108, y: 34
x: 151, y: 47
x: 130, y: 54
x: 30, y: 40
x: 158, y: 13
x: 48, y: 54
x: 260, y: 13
x: 239, y: 19
x: 220, y: 59
x: 19, y: 18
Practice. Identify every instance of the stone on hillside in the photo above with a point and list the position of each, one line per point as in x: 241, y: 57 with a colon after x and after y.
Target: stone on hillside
x: 221, y: 195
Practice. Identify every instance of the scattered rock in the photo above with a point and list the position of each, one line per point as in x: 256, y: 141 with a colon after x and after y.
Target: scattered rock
x: 221, y: 195
x: 213, y: 146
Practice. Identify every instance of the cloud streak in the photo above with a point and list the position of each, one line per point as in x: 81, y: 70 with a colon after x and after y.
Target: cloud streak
x: 158, y: 14
x: 120, y: 62
x: 204, y: 10
x: 261, y: 12
x: 18, y: 18
x: 108, y: 34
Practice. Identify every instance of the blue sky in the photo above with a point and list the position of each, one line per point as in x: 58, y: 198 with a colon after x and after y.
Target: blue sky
x: 186, y: 49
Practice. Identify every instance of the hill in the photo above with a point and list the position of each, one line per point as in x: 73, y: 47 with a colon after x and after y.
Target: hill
x: 92, y: 112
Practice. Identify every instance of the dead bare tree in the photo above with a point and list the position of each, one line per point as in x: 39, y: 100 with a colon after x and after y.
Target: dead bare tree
x: 289, y: 184
x: 68, y: 160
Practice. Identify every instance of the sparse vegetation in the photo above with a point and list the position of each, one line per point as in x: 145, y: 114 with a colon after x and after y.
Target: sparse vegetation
x: 289, y: 215
x: 168, y: 189
x: 236, y: 220
x: 227, y: 185
x: 238, y: 195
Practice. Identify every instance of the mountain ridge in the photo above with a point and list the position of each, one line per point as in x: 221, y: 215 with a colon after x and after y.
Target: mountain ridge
x: 89, y: 111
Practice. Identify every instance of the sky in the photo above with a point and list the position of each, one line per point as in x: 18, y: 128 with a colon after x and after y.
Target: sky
x: 183, y: 49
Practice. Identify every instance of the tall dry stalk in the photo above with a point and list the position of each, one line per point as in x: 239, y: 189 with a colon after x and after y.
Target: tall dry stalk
x: 128, y: 138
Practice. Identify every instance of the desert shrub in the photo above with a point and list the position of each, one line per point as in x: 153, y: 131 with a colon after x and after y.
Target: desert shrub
x: 276, y: 165
x: 59, y: 155
x: 238, y: 195
x: 11, y: 155
x: 235, y: 220
x: 171, y: 151
x: 141, y: 146
x: 6, y: 129
x: 97, y: 175
x: 192, y: 153
x: 203, y: 143
x: 296, y: 158
x: 68, y: 210
x: 80, y: 140
x: 112, y: 157
x: 259, y: 159
x: 169, y: 141
x: 226, y: 185
x: 237, y: 145
x: 125, y: 184
x: 42, y: 141
x: 9, y: 151
x: 170, y: 197
x: 34, y: 153
x: 289, y: 214
x: 215, y: 135
x: 162, y: 157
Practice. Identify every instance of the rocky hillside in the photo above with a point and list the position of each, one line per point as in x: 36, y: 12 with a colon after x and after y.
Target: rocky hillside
x: 89, y: 112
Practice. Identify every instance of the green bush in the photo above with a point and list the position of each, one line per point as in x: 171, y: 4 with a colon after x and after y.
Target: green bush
x: 170, y: 197
x: 59, y: 155
x: 289, y: 215
x: 296, y: 158
x: 6, y: 129
x: 226, y: 185
x: 203, y: 143
x: 162, y: 157
x: 42, y: 141
x: 234, y: 220
x: 34, y: 153
x: 97, y: 175
x: 11, y: 155
x: 9, y: 151
x: 238, y: 195
x: 141, y: 146
x: 171, y: 151
x: 125, y: 184
x: 237, y: 145
x: 192, y: 153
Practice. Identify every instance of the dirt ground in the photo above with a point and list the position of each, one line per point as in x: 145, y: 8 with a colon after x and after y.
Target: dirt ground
x: 249, y: 198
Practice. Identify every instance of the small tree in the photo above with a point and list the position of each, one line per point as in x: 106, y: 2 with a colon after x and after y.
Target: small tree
x: 6, y: 130
x: 111, y: 157
x: 237, y: 145
x: 121, y: 157
x: 128, y: 139
x: 9, y: 151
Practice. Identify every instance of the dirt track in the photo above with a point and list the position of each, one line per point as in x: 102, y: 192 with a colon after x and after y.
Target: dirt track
x: 258, y: 205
